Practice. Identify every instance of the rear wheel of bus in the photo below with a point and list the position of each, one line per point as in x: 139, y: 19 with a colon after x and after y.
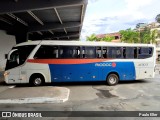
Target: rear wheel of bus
x: 112, y: 79
x: 36, y: 80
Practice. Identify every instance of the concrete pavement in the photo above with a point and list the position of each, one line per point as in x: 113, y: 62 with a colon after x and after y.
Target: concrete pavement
x: 47, y: 94
x: 10, y: 94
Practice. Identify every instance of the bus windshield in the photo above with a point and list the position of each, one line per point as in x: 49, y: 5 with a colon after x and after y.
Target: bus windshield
x: 18, y: 55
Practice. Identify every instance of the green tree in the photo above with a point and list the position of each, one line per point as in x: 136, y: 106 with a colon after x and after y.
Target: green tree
x: 154, y: 35
x: 92, y: 37
x: 129, y: 36
x: 145, y: 35
x: 108, y: 38
x: 148, y: 36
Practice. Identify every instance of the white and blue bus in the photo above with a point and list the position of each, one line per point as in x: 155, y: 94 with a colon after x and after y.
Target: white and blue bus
x: 39, y: 62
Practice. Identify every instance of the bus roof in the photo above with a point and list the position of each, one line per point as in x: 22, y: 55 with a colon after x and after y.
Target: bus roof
x: 29, y: 43
x: 81, y: 43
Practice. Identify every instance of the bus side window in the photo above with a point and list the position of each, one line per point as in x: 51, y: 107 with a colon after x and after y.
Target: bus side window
x: 51, y: 52
x: 98, y: 52
x: 110, y: 52
x: 104, y: 52
x: 144, y: 52
x: 69, y: 52
x: 65, y: 52
x: 40, y: 53
x: 47, y: 52
x: 82, y: 52
x: 118, y: 52
x: 88, y: 52
x: 75, y: 52
x: 55, y: 52
x: 129, y: 52
x: 114, y: 52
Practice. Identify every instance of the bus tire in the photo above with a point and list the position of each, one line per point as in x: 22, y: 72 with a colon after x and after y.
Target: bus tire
x: 36, y: 80
x: 112, y: 79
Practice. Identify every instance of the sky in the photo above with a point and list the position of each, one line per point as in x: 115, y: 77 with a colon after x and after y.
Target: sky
x: 108, y: 16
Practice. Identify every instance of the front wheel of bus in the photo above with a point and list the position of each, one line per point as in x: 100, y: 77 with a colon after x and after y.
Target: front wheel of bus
x: 37, y: 80
x: 112, y: 79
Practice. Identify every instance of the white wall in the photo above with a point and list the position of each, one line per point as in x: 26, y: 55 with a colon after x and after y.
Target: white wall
x: 6, y: 43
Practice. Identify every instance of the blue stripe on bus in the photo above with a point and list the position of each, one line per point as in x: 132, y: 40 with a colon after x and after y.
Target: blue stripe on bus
x: 91, y: 71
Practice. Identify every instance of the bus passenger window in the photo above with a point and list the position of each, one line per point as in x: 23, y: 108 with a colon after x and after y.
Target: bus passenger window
x: 76, y: 52
x: 88, y: 52
x: 55, y: 52
x: 104, y: 52
x: 69, y: 52
x: 114, y: 52
x: 98, y: 52
x: 65, y: 52
x: 129, y: 52
x: 110, y: 52
x: 83, y: 52
x: 47, y: 52
x: 118, y: 52
x: 144, y: 52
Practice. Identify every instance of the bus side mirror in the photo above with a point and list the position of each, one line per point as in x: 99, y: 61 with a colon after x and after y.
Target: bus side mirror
x: 6, y: 56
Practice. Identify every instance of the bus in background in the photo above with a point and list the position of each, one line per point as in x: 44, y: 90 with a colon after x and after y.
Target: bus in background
x: 39, y: 62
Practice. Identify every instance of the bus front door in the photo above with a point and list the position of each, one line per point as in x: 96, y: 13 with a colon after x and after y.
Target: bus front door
x: 13, y: 67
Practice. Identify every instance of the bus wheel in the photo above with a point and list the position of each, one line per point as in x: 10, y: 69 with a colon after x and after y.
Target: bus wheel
x: 37, y: 80
x: 112, y: 79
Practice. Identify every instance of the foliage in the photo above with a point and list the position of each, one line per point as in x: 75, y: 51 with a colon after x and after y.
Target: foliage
x: 92, y: 37
x: 129, y: 36
x: 154, y: 35
x: 145, y: 35
x: 140, y: 36
x: 148, y: 36
x: 107, y: 38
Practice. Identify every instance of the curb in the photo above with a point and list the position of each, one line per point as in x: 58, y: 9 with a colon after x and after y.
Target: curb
x: 60, y: 99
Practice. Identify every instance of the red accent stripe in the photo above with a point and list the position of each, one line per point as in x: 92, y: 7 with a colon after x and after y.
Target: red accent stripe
x: 65, y: 61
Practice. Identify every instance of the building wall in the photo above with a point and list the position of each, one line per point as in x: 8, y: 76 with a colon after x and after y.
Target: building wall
x: 6, y: 43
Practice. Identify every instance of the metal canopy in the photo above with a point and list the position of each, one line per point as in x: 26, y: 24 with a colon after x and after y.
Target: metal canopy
x: 43, y: 19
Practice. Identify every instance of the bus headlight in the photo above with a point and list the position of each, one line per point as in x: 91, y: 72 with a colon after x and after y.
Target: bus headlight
x: 6, y: 73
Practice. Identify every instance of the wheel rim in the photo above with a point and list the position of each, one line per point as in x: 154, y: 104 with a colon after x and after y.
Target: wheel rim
x: 37, y: 81
x: 112, y: 80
